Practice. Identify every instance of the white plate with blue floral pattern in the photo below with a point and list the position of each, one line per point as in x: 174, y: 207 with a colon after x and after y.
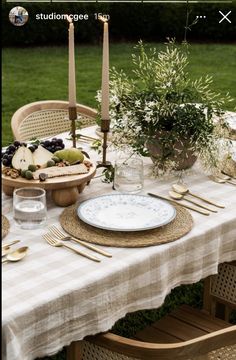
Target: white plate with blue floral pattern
x: 126, y: 212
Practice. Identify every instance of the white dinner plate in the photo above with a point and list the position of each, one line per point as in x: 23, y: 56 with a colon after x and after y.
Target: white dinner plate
x: 126, y: 212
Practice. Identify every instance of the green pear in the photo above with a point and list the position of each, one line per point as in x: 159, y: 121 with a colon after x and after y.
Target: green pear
x: 72, y: 155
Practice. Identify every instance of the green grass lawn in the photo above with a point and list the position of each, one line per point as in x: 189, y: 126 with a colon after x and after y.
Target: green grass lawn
x: 32, y: 74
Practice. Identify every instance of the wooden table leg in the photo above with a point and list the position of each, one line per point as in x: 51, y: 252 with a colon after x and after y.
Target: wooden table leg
x: 65, y: 197
x: 74, y: 351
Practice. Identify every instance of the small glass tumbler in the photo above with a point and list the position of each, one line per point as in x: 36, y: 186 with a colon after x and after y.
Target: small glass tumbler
x: 128, y: 177
x: 29, y: 207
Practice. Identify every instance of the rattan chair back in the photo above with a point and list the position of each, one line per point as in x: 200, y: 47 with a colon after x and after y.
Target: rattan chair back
x: 47, y: 118
x: 220, y: 291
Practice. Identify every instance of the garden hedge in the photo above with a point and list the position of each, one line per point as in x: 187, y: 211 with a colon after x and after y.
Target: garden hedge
x: 129, y: 22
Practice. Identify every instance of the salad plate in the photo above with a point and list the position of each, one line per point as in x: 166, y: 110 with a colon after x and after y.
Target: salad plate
x: 126, y: 212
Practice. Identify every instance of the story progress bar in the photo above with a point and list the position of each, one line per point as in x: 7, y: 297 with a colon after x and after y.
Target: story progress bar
x: 130, y: 1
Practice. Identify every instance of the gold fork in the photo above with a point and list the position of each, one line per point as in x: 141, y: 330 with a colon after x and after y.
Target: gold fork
x: 53, y: 242
x: 61, y: 236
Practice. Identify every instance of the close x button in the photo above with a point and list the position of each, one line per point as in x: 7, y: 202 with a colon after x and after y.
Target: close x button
x: 225, y: 16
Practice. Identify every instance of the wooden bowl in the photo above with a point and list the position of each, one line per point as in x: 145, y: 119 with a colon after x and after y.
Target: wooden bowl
x: 65, y: 190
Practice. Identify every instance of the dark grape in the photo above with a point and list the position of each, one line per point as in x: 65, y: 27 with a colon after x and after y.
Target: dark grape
x: 47, y: 143
x: 53, y: 145
x: 4, y: 155
x: 32, y: 148
x: 17, y: 143
x: 35, y: 146
x: 11, y: 149
x: 24, y: 144
x: 10, y: 156
x: 6, y: 162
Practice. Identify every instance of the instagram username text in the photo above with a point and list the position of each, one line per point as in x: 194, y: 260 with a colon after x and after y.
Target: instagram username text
x: 55, y: 16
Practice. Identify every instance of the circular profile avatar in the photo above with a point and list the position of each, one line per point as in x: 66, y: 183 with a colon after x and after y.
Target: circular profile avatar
x: 18, y: 16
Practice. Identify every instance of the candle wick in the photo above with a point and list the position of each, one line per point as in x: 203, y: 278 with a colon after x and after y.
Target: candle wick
x: 102, y: 18
x: 69, y: 19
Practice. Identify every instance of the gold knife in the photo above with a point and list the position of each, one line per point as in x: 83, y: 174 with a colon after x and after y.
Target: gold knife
x: 89, y: 246
x: 10, y: 243
x: 203, y: 212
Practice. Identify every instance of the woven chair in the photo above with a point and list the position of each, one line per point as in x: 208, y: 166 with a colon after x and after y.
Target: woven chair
x: 47, y: 118
x: 186, y: 333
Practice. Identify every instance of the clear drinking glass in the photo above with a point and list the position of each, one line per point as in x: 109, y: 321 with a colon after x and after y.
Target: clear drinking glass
x: 29, y: 207
x: 128, y: 177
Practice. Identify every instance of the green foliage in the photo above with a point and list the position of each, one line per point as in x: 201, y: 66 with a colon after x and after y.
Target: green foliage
x: 108, y: 175
x: 162, y: 102
x: 97, y: 146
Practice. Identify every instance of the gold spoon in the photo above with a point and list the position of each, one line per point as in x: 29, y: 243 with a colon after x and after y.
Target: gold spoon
x: 6, y: 250
x: 226, y: 178
x: 221, y: 180
x: 177, y: 196
x: 230, y: 177
x: 7, y: 247
x: 16, y: 255
x: 182, y: 189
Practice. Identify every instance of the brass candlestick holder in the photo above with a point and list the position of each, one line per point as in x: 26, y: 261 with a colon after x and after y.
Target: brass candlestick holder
x: 72, y: 118
x: 105, y: 128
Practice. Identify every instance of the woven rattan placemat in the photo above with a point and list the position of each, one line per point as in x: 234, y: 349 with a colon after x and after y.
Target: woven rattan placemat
x: 180, y: 226
x: 5, y: 226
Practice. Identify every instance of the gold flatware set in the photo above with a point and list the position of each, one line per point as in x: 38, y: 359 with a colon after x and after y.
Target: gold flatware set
x: 57, y: 238
x: 58, y: 243
x: 222, y: 179
x: 203, y: 212
x: 176, y: 196
x: 181, y: 192
x: 16, y: 255
x: 54, y: 238
x: 182, y: 189
x: 61, y: 236
x: 6, y: 248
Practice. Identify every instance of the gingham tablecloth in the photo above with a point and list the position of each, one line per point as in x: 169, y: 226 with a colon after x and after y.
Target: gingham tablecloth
x: 54, y: 297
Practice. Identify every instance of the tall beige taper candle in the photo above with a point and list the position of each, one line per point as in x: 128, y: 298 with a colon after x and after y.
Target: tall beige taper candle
x: 105, y: 73
x: 72, y: 84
